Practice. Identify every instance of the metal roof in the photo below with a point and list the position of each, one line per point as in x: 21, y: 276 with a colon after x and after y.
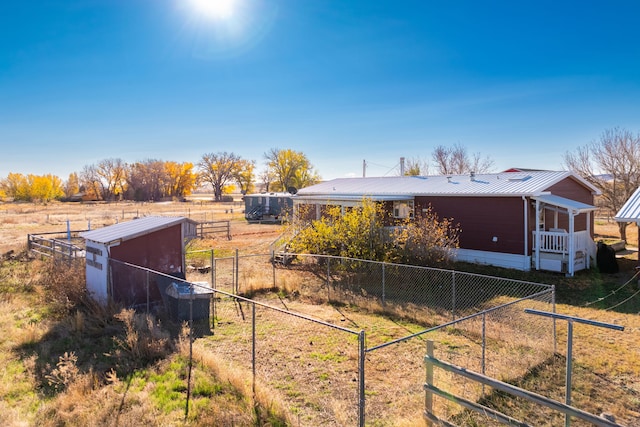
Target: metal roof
x: 527, y: 183
x: 131, y: 229
x: 570, y: 205
x: 630, y: 211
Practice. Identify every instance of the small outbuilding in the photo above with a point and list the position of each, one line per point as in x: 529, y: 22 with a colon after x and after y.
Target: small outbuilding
x: 269, y: 207
x: 154, y: 242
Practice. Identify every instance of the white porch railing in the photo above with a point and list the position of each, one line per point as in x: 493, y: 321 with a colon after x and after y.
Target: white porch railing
x: 554, y: 252
x: 558, y: 241
x: 551, y: 241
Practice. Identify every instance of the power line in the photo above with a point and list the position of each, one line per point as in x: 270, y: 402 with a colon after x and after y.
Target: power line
x: 614, y: 291
x: 622, y: 302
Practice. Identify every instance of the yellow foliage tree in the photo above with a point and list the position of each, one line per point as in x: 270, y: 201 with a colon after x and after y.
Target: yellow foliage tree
x: 180, y: 178
x: 244, y: 175
x: 16, y: 186
x: 361, y: 232
x: 45, y: 188
x: 355, y: 232
x: 72, y: 186
x: 290, y: 169
x: 42, y: 188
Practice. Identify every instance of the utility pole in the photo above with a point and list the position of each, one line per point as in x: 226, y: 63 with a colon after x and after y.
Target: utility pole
x: 364, y: 168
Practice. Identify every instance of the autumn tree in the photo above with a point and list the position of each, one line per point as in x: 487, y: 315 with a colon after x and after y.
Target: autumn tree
x: 180, y: 179
x: 612, y: 164
x: 106, y: 179
x: 219, y: 170
x: 244, y: 176
x: 45, y: 188
x: 90, y: 182
x: 425, y: 240
x: 355, y: 232
x: 416, y: 167
x: 72, y: 185
x: 362, y: 232
x: 112, y: 177
x: 146, y: 180
x: 32, y: 188
x: 16, y: 186
x: 290, y: 169
x: 456, y: 160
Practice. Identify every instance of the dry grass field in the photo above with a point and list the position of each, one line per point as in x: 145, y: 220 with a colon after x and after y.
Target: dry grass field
x: 607, y: 362
x: 17, y: 220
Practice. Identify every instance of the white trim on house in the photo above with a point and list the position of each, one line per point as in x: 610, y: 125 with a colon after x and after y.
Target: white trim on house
x: 497, y: 259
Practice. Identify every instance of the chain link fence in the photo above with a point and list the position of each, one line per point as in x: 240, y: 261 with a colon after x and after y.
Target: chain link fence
x: 310, y: 336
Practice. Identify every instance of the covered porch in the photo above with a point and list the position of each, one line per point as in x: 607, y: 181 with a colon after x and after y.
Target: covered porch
x: 562, y: 239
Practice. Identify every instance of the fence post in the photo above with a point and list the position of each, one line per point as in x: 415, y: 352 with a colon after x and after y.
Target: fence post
x: 553, y: 306
x: 361, y: 362
x: 235, y: 272
x: 453, y: 295
x: 428, y: 396
x: 147, y: 288
x: 383, y: 283
x: 484, y: 344
x: 328, y: 279
x: 213, y: 269
x: 213, y: 287
x: 186, y: 409
x: 567, y: 397
x: 253, y: 352
x: 273, y: 266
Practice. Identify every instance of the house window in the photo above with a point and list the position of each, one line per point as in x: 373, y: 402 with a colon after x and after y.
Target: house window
x: 403, y: 209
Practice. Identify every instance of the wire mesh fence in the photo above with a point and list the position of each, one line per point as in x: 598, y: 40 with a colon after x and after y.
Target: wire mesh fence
x: 342, y: 363
x: 425, y: 294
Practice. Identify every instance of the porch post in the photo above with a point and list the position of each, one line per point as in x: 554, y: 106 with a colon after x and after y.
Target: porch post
x: 588, y: 255
x: 537, y: 234
x: 525, y: 206
x: 572, y: 254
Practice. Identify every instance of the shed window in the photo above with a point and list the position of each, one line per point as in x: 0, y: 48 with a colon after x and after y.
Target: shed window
x: 403, y: 209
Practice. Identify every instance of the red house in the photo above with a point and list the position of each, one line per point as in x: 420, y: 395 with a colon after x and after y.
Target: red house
x: 522, y: 219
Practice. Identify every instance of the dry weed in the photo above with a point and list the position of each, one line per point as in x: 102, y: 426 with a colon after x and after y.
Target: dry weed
x: 64, y: 285
x: 145, y: 340
x: 65, y: 372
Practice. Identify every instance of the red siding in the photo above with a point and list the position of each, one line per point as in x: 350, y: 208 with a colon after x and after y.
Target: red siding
x: 572, y: 189
x: 482, y: 218
x: 160, y: 251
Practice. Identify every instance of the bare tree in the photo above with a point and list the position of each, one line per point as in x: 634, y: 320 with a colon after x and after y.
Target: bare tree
x: 611, y: 164
x: 455, y: 160
x: 109, y: 176
x: 266, y: 178
x: 147, y: 180
x: 90, y: 182
x: 219, y: 169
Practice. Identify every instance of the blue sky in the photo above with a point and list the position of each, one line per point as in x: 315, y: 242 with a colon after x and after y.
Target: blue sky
x: 341, y: 80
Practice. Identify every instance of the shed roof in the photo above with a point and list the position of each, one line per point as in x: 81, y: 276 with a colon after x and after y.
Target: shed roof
x: 528, y: 183
x: 132, y: 229
x: 630, y: 211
